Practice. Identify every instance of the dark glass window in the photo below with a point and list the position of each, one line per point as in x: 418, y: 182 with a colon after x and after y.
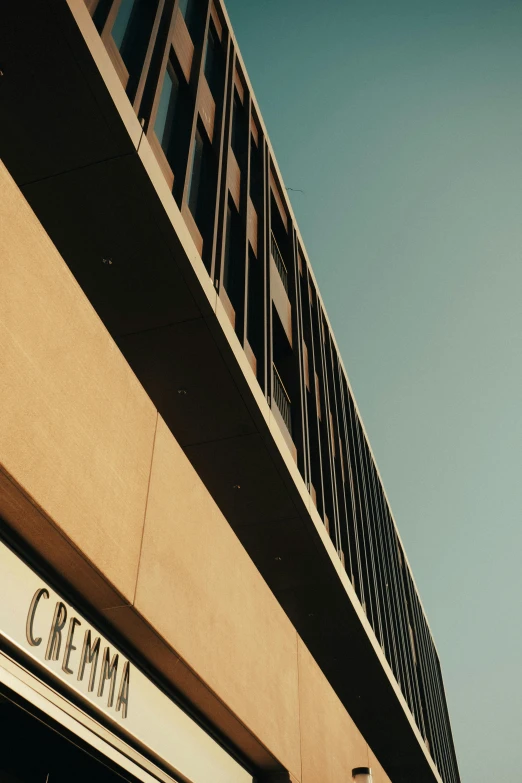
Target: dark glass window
x: 131, y: 33
x: 164, y: 124
x: 234, y: 262
x: 210, y: 56
x: 214, y: 63
x: 235, y: 136
x: 256, y: 177
x: 122, y: 26
x: 195, y: 174
x: 255, y: 325
x: 101, y: 13
x: 202, y: 188
x: 194, y: 13
x: 239, y: 136
x: 227, y: 267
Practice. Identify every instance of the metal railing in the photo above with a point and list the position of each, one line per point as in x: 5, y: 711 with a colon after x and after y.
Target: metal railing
x: 281, y: 399
x: 280, y: 264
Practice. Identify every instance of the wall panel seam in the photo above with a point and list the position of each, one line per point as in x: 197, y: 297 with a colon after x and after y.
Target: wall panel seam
x: 145, y: 507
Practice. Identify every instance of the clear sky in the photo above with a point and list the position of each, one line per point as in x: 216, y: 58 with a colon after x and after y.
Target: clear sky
x: 402, y: 122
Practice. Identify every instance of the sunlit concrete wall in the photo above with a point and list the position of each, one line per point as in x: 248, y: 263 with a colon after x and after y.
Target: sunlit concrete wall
x: 93, y: 480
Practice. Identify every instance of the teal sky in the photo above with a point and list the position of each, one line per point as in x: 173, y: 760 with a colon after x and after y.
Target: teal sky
x: 402, y: 122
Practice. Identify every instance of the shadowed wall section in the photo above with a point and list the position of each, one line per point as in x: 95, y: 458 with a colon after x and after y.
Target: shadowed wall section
x: 93, y: 481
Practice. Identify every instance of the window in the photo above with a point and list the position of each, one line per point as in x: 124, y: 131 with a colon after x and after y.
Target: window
x: 195, y: 174
x: 164, y: 125
x: 237, y: 140
x: 172, y: 125
x: 122, y: 27
x: 193, y: 12
x: 412, y: 643
x: 318, y: 396
x: 234, y: 264
x: 131, y: 33
x: 201, y: 199
x: 210, y: 53
x: 101, y: 12
x: 213, y: 63
x: 227, y: 266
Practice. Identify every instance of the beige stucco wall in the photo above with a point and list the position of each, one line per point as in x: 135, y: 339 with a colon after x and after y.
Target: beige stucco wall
x: 76, y: 428
x: 201, y: 592
x: 91, y: 477
x: 331, y: 745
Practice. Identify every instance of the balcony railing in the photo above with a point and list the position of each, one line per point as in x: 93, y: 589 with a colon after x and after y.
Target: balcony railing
x: 280, y: 264
x: 282, y: 400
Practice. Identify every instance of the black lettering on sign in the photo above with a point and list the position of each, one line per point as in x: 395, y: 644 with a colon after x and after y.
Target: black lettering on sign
x: 55, y: 637
x: 69, y: 646
x: 122, y: 703
x: 90, y: 654
x: 108, y: 672
x: 34, y: 641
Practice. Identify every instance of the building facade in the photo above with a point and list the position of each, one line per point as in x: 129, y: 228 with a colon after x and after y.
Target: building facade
x: 202, y: 577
